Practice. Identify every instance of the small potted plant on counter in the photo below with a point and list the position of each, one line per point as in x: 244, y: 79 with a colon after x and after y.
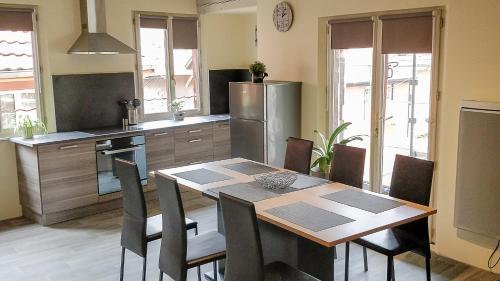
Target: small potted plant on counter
x: 176, y: 107
x: 258, y: 70
x: 321, y: 166
x: 28, y: 128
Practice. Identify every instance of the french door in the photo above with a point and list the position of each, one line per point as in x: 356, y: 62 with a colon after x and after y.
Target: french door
x: 383, y: 79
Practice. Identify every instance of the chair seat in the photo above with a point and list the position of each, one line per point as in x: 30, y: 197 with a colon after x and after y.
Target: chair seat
x: 154, y: 227
x: 278, y: 271
x: 205, y: 248
x: 390, y: 242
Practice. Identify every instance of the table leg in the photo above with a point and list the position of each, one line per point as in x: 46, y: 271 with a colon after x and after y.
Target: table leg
x: 316, y: 259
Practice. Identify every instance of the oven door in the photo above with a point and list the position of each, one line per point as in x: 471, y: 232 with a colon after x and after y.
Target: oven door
x: 107, y: 152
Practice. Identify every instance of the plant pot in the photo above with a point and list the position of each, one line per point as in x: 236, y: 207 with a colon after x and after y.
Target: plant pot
x: 316, y: 172
x: 178, y: 116
x: 257, y: 79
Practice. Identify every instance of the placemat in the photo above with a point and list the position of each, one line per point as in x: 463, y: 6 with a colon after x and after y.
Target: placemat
x: 304, y: 181
x: 308, y: 216
x: 250, y: 168
x: 202, y: 176
x: 363, y: 201
x: 246, y: 191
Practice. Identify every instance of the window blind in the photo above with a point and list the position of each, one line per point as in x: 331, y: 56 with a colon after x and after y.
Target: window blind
x: 407, y: 34
x: 352, y: 34
x: 153, y: 22
x: 16, y: 20
x: 185, y: 33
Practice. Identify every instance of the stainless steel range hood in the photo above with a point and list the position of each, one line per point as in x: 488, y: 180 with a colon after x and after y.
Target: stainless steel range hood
x: 94, y: 39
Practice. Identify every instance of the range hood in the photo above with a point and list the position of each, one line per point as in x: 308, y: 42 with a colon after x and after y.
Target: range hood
x: 94, y: 39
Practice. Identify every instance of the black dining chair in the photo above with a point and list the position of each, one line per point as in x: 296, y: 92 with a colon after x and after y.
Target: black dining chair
x: 298, y: 155
x: 245, y: 261
x: 348, y: 165
x: 138, y: 229
x: 411, y: 181
x: 178, y: 253
x: 348, y: 168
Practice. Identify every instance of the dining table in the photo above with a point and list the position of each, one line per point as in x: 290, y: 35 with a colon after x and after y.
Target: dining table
x: 302, y: 223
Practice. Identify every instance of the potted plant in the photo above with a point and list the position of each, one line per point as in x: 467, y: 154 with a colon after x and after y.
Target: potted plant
x: 321, y: 166
x: 176, y: 107
x: 28, y: 128
x: 258, y: 70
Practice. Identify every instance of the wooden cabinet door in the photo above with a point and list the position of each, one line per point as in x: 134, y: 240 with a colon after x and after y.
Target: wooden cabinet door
x: 68, y: 175
x: 194, y: 144
x: 222, y: 141
x: 160, y: 150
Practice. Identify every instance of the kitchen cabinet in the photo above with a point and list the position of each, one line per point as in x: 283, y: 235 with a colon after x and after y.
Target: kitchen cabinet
x: 194, y: 144
x: 160, y: 149
x: 222, y: 141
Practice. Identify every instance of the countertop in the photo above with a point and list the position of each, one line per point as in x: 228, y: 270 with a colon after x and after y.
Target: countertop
x: 53, y: 138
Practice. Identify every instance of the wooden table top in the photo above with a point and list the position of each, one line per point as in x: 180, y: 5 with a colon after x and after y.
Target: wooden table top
x: 364, y: 222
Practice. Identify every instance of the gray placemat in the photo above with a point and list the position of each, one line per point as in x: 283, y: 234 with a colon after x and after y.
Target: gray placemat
x: 245, y: 191
x: 202, y: 176
x: 364, y: 201
x: 250, y: 168
x: 308, y: 216
x: 304, y: 181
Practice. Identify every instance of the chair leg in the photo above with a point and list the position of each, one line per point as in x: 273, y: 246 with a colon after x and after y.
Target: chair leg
x: 428, y: 266
x: 216, y: 274
x: 122, y: 264
x: 393, y: 274
x: 390, y: 263
x: 144, y: 268
x: 161, y: 275
x: 335, y: 252
x: 346, y: 270
x: 196, y: 230
x: 199, y: 273
x: 365, y: 258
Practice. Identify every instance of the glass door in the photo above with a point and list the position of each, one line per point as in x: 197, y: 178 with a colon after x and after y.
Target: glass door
x: 406, y: 110
x: 352, y: 76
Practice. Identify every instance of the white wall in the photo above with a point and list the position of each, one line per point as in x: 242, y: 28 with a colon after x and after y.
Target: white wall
x: 59, y: 27
x: 469, y: 70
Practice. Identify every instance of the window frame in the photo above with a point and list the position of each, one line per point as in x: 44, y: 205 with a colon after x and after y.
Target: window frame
x: 37, y: 67
x: 169, y: 66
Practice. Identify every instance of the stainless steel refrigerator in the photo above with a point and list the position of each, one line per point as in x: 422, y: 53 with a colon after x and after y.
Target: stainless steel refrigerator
x: 263, y: 116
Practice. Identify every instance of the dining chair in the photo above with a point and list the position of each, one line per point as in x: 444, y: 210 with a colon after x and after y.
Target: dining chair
x: 348, y: 165
x: 298, y: 155
x: 244, y: 257
x: 138, y: 229
x: 178, y: 253
x: 411, y: 181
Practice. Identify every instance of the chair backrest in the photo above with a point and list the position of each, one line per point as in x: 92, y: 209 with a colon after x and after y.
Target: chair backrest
x: 298, y: 155
x: 244, y: 258
x: 412, y: 181
x: 348, y: 165
x: 134, y: 207
x: 173, y: 249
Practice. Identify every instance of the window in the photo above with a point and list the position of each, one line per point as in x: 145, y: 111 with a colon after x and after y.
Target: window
x: 19, y: 94
x: 168, y: 65
x: 383, y: 80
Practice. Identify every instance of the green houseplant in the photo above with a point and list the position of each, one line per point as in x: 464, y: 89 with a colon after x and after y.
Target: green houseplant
x: 324, y: 151
x: 176, y: 107
x: 258, y: 70
x: 27, y: 128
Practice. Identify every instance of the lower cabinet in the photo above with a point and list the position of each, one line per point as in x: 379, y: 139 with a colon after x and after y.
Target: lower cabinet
x: 222, y: 141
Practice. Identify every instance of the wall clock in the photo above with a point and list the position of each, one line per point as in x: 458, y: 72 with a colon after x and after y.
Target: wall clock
x: 283, y: 16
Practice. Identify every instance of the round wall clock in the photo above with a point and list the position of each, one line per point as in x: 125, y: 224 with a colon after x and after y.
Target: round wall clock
x: 283, y: 16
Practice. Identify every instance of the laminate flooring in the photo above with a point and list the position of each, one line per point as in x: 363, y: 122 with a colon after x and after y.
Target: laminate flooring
x: 89, y: 249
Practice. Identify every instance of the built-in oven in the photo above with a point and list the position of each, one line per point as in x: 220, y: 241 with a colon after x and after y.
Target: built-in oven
x: 128, y: 148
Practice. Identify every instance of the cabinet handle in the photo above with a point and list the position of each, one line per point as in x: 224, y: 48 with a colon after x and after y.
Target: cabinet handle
x: 193, y: 141
x: 196, y: 162
x: 160, y: 134
x: 194, y: 131
x: 68, y: 147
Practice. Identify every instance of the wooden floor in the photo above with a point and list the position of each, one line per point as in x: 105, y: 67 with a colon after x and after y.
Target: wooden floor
x: 89, y: 249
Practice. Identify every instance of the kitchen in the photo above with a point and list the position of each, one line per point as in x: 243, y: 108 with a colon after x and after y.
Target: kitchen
x: 66, y: 180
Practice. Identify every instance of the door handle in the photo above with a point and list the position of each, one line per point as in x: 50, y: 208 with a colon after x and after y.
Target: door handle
x: 68, y: 147
x: 194, y: 131
x: 193, y: 141
x: 160, y: 134
x: 116, y: 151
x: 196, y: 162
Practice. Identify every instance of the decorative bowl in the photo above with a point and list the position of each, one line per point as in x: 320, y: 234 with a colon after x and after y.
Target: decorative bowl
x: 280, y: 180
